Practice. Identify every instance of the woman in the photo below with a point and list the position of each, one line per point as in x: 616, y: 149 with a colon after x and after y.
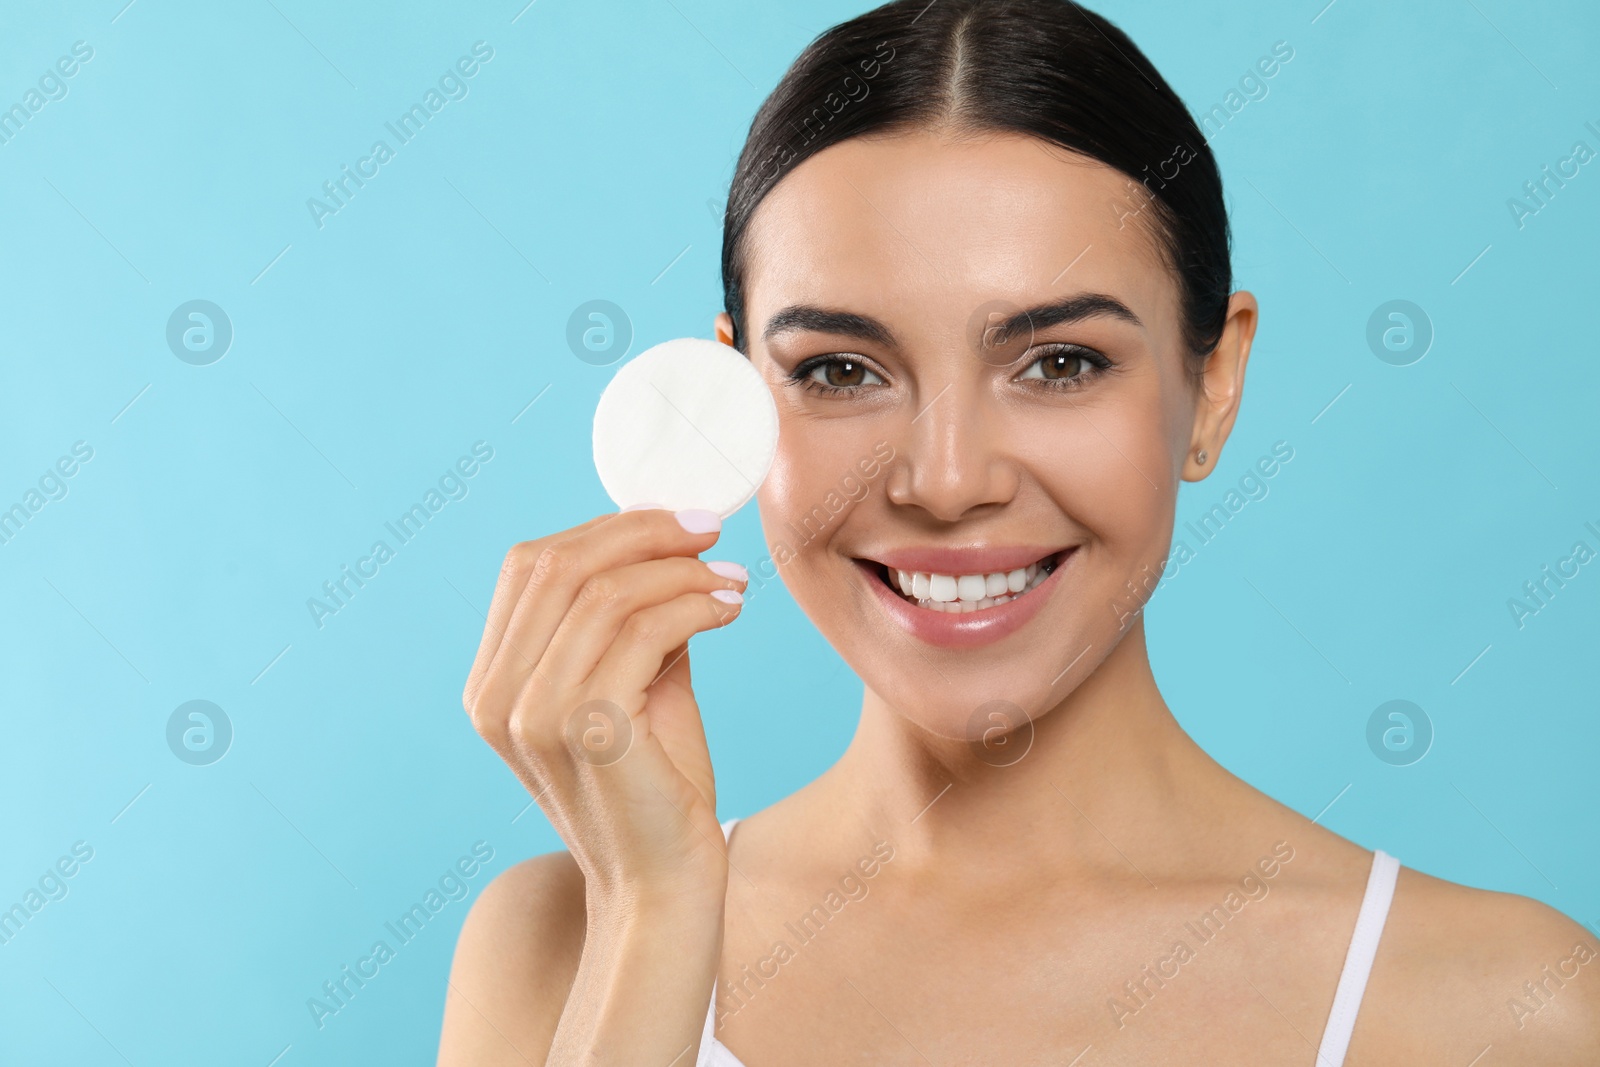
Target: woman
x: 980, y: 253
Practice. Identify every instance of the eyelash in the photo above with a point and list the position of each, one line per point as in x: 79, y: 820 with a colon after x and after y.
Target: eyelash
x: 1096, y: 365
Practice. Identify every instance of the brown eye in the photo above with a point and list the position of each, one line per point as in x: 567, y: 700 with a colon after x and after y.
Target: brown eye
x: 1068, y: 368
x: 1061, y: 365
x: 835, y: 375
x: 842, y: 374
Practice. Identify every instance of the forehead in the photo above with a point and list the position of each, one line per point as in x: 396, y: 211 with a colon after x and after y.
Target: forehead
x: 925, y: 227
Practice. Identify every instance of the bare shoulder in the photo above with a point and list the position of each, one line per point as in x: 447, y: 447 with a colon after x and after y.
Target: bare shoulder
x: 1462, y: 971
x: 514, y: 964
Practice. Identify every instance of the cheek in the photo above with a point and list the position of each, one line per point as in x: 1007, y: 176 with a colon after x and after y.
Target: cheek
x: 785, y: 482
x: 793, y: 485
x: 1107, y: 466
x: 801, y: 502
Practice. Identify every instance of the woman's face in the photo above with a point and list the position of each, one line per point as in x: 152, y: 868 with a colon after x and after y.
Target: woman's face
x: 917, y: 431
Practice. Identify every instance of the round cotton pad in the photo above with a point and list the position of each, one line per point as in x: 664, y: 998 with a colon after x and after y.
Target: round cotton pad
x: 686, y: 424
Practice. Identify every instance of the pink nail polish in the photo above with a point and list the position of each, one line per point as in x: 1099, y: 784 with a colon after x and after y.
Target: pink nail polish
x: 726, y: 569
x: 699, y: 521
x: 728, y: 596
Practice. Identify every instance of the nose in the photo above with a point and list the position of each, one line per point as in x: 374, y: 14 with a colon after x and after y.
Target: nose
x: 956, y: 455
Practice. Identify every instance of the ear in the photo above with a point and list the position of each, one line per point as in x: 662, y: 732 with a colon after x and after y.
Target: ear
x: 1221, y: 386
x: 723, y: 326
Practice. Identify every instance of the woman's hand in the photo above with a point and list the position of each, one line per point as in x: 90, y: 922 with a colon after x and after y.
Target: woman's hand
x: 581, y: 684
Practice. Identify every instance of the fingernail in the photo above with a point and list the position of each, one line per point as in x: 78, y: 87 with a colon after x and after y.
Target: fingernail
x: 698, y: 520
x: 640, y: 507
x: 728, y: 596
x: 728, y: 570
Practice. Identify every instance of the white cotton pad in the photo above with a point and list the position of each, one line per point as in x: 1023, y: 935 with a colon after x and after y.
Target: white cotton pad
x: 686, y: 424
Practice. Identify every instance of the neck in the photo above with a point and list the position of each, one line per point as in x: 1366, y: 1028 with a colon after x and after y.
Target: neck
x: 1110, y: 786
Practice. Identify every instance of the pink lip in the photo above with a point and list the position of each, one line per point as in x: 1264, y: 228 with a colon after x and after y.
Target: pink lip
x: 969, y: 629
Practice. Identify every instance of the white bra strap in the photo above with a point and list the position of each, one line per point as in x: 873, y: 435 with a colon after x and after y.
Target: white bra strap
x: 1358, y: 959
x: 707, y: 1055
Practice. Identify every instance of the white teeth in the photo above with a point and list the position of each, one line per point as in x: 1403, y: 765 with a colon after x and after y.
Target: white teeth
x: 967, y: 592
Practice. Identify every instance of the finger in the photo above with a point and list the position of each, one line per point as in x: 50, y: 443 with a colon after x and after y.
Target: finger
x: 608, y: 600
x: 636, y: 661
x: 558, y: 571
x: 674, y: 721
x: 640, y: 654
x: 508, y: 586
x: 591, y: 625
x: 676, y: 672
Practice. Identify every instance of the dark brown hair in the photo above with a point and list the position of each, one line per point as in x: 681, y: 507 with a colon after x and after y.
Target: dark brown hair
x: 1046, y: 68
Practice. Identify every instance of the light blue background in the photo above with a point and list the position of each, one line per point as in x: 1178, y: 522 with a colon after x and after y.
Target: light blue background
x: 370, y: 353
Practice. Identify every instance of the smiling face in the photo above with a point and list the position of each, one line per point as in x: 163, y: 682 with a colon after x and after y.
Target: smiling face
x: 920, y: 431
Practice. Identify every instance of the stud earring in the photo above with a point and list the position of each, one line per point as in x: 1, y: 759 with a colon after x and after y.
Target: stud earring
x: 1200, y: 457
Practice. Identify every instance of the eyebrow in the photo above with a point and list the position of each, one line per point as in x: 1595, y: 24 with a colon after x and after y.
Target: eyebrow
x: 799, y: 317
